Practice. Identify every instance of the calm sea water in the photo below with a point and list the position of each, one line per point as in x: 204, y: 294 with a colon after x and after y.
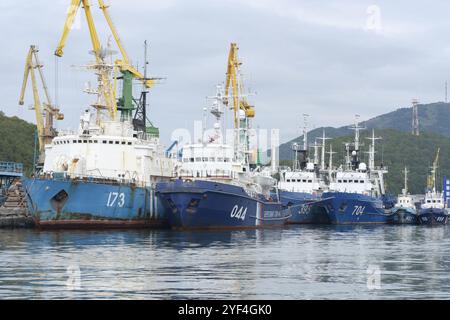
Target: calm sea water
x: 379, y: 262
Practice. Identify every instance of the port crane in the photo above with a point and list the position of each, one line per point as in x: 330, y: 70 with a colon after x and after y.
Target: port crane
x: 46, y: 131
x: 125, y: 104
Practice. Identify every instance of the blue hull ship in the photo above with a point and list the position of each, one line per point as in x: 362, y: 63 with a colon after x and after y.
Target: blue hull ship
x: 352, y: 208
x: 207, y: 204
x: 70, y: 203
x: 433, y: 216
x: 302, y: 208
x: 403, y: 216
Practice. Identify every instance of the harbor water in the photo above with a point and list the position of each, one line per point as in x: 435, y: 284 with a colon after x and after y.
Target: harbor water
x: 296, y: 262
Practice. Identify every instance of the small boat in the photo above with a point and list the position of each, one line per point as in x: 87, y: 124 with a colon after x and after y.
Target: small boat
x: 404, y: 211
x: 433, y: 210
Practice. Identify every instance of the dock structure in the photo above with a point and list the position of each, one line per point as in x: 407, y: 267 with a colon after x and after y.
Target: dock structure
x: 13, y: 207
x: 9, y: 172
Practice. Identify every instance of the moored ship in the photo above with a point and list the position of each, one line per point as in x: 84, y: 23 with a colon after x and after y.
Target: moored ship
x: 216, y: 187
x: 404, y: 211
x: 433, y: 210
x: 302, y: 186
x: 103, y: 174
x: 356, y: 192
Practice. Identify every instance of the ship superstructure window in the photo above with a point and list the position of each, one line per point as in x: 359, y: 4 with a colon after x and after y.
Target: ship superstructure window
x: 79, y: 141
x: 198, y: 159
x: 111, y: 142
x: 310, y: 181
x: 288, y: 180
x: 191, y: 159
x: 117, y: 142
x: 129, y: 143
x: 123, y: 142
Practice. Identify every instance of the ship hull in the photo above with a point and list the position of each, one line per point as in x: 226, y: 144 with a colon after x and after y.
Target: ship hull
x: 302, y: 208
x: 211, y: 205
x: 69, y: 204
x: 433, y: 216
x: 403, y: 216
x: 352, y: 208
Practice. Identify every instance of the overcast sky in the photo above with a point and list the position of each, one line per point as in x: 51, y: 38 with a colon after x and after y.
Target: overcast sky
x: 330, y: 59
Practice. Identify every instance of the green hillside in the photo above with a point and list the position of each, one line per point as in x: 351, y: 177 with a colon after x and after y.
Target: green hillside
x: 397, y: 150
x: 433, y: 118
x: 16, y: 141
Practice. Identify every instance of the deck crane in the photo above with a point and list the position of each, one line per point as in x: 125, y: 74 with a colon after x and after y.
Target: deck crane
x: 46, y: 131
x: 235, y: 83
x: 125, y: 104
x: 432, y: 176
x: 234, y: 80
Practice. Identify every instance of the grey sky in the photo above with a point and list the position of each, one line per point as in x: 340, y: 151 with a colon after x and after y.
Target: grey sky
x: 315, y: 57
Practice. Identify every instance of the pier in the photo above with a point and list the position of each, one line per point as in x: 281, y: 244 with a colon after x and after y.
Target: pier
x: 13, y: 207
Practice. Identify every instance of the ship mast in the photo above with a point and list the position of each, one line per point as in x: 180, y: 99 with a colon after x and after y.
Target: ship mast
x: 372, y: 150
x: 322, y: 160
x: 405, y: 190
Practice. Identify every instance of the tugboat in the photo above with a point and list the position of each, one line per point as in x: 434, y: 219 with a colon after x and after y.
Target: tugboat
x: 404, y: 211
x: 104, y: 174
x: 301, y: 187
x: 356, y: 192
x: 215, y: 187
x: 433, y: 210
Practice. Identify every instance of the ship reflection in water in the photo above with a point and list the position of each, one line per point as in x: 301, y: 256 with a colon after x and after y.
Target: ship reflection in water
x: 307, y: 262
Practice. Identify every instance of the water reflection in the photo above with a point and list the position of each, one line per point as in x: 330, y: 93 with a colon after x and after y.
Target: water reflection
x: 305, y: 262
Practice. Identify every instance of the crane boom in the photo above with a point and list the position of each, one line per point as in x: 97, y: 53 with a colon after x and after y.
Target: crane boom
x: 29, y: 72
x: 124, y: 64
x: 46, y: 131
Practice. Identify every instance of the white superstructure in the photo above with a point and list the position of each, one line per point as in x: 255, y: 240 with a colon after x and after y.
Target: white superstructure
x: 213, y: 159
x: 356, y: 176
x: 305, y: 176
x: 405, y: 200
x: 112, y: 150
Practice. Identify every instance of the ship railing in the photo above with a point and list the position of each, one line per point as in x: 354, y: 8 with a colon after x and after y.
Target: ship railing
x: 11, y: 168
x: 64, y: 176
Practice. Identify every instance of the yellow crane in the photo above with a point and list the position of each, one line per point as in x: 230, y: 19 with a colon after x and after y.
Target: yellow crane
x: 432, y: 176
x: 124, y: 64
x: 46, y: 132
x: 234, y: 81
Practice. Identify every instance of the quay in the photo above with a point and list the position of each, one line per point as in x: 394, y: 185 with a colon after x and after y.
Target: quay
x: 13, y: 206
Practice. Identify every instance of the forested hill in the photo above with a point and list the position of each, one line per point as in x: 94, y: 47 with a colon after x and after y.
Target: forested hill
x: 16, y: 140
x: 434, y: 118
x: 399, y: 149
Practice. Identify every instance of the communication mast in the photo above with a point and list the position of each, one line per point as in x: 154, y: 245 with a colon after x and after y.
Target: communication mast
x: 415, y: 117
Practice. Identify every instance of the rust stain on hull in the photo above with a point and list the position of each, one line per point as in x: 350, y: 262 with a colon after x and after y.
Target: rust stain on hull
x: 101, y: 224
